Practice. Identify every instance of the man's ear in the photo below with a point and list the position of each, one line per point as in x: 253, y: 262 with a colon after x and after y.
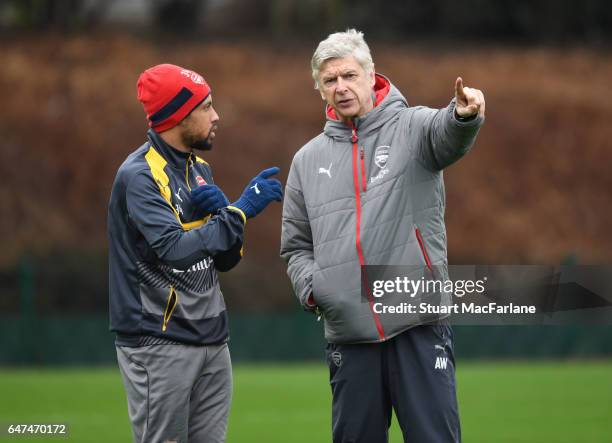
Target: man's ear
x: 372, y: 77
x: 322, y: 95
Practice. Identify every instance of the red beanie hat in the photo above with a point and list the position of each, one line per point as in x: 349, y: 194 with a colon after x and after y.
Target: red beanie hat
x: 168, y: 93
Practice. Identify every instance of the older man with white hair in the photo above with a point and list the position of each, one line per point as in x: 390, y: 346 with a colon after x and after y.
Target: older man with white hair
x: 369, y: 191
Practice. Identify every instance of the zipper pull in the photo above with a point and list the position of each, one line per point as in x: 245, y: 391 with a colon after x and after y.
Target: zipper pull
x: 363, y: 172
x: 354, y: 138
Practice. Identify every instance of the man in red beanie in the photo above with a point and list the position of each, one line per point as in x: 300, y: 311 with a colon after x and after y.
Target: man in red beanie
x: 170, y: 230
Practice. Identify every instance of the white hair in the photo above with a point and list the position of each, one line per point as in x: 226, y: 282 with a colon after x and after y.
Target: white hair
x: 340, y: 45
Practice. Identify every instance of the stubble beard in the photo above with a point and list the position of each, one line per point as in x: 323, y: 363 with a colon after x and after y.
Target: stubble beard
x: 195, y: 142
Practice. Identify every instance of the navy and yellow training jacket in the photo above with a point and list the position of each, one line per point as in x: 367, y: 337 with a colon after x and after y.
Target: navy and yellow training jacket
x: 164, y: 253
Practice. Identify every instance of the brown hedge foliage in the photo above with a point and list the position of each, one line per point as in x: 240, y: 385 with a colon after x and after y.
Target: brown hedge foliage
x: 535, y: 189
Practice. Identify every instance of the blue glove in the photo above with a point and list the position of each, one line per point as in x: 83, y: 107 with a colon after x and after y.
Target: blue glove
x: 260, y: 192
x: 209, y: 198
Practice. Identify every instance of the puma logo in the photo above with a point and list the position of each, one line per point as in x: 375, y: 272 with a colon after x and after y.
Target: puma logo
x: 257, y: 191
x: 326, y: 171
x: 178, y: 195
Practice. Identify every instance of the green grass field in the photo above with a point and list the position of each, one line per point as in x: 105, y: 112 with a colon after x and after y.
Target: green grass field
x: 499, y: 402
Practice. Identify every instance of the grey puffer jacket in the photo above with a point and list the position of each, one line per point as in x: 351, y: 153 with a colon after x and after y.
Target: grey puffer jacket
x: 370, y: 194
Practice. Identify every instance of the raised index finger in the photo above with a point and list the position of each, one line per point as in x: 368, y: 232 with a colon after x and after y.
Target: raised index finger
x: 459, y: 88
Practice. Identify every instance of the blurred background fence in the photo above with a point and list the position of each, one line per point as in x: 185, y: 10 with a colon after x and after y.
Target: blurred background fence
x: 55, y: 314
x: 535, y: 190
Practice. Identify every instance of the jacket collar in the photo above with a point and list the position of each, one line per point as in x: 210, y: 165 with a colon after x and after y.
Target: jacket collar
x: 174, y: 157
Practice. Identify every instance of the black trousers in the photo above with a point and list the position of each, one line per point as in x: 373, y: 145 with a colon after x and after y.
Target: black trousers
x: 412, y: 373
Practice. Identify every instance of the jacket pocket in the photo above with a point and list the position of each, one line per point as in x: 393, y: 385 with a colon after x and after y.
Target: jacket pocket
x: 170, y: 306
x: 315, y: 283
x: 320, y: 293
x: 423, y: 249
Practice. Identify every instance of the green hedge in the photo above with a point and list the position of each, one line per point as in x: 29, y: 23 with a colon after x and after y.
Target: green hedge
x: 284, y: 336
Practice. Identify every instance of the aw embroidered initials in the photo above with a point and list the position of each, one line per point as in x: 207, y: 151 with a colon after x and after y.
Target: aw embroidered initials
x: 441, y: 362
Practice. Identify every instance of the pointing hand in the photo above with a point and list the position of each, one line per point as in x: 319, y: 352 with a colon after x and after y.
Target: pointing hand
x: 468, y: 101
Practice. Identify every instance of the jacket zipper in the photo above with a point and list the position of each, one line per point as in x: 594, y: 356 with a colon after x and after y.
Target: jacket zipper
x: 187, y: 166
x: 423, y: 250
x: 363, y: 174
x: 170, y: 306
x: 364, y: 277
